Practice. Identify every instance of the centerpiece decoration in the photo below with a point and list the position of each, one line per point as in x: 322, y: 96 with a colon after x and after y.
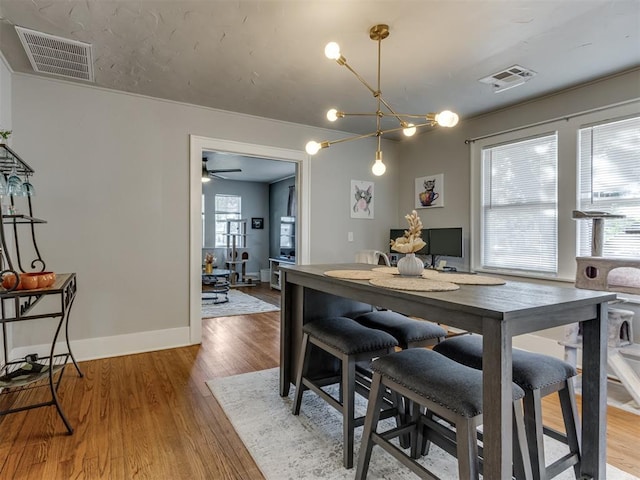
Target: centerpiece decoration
x: 409, y: 243
x: 208, y: 263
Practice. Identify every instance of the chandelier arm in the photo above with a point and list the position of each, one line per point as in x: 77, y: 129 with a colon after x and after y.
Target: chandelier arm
x: 348, y: 139
x: 362, y: 80
x: 397, y: 129
x: 411, y: 115
x: 370, y: 114
x: 393, y: 113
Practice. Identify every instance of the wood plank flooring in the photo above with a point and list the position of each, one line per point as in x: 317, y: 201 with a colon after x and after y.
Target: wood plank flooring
x: 151, y: 416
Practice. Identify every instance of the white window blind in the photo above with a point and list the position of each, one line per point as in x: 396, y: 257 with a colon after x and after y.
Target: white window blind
x: 519, y: 205
x: 609, y: 181
x: 228, y: 207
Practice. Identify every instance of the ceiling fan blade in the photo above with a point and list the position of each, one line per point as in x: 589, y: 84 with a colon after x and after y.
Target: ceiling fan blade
x: 225, y: 170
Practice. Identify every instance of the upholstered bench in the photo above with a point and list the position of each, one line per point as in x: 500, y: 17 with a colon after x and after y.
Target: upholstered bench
x: 451, y: 391
x: 350, y: 342
x: 409, y: 332
x: 538, y: 375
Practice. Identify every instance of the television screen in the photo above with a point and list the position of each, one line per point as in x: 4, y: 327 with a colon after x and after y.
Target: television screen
x: 446, y: 242
x: 399, y: 232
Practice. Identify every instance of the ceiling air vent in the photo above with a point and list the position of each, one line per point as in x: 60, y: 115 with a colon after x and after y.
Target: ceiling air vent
x: 56, y: 55
x: 508, y: 78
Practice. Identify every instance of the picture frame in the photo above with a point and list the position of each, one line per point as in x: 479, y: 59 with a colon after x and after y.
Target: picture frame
x: 429, y: 191
x: 361, y: 199
x: 257, y: 223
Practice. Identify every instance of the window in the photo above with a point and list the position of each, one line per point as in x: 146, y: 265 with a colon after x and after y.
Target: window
x: 609, y: 162
x: 525, y: 184
x: 228, y: 207
x: 203, y: 217
x: 520, y: 205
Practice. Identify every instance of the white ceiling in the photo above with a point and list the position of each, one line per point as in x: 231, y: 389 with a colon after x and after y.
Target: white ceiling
x: 253, y: 169
x: 265, y: 57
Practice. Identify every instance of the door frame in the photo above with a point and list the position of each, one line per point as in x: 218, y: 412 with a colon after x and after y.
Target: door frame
x: 198, y: 144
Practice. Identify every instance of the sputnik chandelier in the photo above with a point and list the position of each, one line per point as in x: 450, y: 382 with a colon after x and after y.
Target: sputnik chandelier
x: 444, y: 118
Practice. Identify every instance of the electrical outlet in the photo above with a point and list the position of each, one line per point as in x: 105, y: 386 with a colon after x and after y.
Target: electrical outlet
x: 350, y: 236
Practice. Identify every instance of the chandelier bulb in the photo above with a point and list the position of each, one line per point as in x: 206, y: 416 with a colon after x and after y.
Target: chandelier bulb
x: 447, y: 118
x: 378, y: 167
x: 205, y: 179
x: 332, y: 51
x: 332, y: 115
x: 409, y: 129
x: 312, y: 147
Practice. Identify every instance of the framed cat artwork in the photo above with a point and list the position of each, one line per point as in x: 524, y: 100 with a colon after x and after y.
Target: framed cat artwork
x: 430, y: 191
x: 361, y: 199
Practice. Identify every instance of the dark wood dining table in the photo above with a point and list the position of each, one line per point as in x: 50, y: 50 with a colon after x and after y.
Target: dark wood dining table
x: 499, y: 313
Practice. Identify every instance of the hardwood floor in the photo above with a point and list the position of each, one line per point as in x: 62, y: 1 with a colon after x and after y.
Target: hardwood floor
x: 151, y: 416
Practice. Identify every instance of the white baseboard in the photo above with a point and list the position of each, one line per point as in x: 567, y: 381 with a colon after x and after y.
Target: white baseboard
x: 538, y: 344
x: 114, y: 346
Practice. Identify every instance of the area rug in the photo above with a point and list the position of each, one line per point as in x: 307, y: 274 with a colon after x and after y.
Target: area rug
x: 239, y: 304
x: 309, y: 446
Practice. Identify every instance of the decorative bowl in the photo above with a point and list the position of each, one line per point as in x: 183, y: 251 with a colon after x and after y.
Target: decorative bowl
x: 29, y: 281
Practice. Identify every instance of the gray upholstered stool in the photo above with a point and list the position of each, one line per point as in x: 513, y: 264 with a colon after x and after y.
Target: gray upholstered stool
x: 539, y: 375
x: 350, y: 342
x: 451, y: 391
x: 409, y: 332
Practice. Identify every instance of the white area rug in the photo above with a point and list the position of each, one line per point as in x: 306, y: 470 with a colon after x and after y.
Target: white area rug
x: 309, y: 446
x: 239, y: 304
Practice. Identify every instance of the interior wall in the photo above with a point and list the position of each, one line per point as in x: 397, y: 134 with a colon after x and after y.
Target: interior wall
x: 112, y: 174
x: 445, y: 151
x: 5, y: 123
x: 255, y: 203
x: 5, y: 95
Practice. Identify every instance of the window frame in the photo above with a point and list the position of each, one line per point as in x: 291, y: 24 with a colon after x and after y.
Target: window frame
x: 567, y: 178
x: 240, y: 242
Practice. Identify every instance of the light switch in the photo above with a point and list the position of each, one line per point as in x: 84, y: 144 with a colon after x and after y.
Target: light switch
x: 350, y: 236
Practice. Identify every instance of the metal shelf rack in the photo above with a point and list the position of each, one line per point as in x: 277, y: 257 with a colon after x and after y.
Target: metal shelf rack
x: 32, y: 371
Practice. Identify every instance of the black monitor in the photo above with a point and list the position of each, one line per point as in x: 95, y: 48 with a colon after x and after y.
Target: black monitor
x: 444, y: 242
x: 399, y: 232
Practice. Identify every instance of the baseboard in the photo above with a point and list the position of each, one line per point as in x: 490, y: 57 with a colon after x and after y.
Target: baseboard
x: 114, y: 346
x: 533, y: 343
x: 538, y: 344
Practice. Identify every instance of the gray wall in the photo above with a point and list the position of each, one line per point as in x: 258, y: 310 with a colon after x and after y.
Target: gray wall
x: 5, y: 115
x: 255, y: 203
x: 112, y: 176
x: 445, y: 151
x: 278, y: 201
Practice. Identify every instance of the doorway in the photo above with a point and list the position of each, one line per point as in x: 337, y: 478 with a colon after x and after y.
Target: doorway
x: 199, y: 145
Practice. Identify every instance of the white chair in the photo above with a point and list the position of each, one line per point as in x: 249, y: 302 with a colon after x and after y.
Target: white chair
x: 372, y: 257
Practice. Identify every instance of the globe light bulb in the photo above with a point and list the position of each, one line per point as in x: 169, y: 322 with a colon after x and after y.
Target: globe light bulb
x: 205, y: 179
x: 409, y: 130
x: 378, y: 167
x: 447, y: 118
x: 332, y: 51
x: 332, y: 115
x: 312, y: 147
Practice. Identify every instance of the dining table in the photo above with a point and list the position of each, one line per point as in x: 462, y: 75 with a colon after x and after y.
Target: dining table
x: 497, y: 312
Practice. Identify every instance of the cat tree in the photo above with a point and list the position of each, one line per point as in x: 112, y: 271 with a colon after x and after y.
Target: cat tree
x: 593, y: 273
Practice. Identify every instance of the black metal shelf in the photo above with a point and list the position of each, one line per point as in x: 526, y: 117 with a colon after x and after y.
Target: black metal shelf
x: 9, y: 159
x: 23, y: 372
x: 18, y: 218
x: 32, y: 371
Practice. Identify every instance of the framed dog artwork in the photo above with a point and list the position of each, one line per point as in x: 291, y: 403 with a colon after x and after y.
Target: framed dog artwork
x: 361, y: 203
x: 430, y: 191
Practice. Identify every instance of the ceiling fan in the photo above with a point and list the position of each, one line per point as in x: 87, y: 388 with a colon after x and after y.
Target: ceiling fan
x: 214, y: 173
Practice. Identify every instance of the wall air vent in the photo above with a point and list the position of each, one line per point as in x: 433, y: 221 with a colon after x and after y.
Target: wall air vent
x: 56, y: 55
x: 508, y: 78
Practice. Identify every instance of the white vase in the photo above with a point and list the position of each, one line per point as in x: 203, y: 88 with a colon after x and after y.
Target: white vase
x: 410, y: 266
